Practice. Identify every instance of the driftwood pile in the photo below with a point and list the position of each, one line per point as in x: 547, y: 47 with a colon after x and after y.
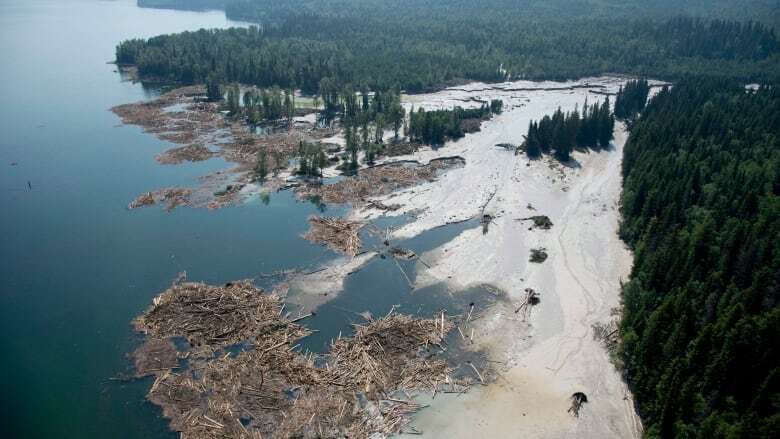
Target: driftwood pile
x: 155, y: 355
x: 399, y: 148
x: 195, y: 120
x: 214, y: 316
x: 378, y: 180
x: 183, y: 116
x: 173, y: 197
x: 577, y: 400
x: 531, y: 299
x: 402, y: 253
x: 540, y: 221
x: 385, y: 353
x: 378, y: 205
x: 337, y: 233
x: 608, y: 333
x: 190, y: 153
x: 243, y: 377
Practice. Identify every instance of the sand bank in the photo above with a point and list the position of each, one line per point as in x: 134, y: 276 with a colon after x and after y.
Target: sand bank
x: 553, y: 354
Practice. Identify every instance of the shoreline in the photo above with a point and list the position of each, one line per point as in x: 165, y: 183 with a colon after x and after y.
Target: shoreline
x: 553, y: 354
x: 546, y: 354
x: 556, y: 354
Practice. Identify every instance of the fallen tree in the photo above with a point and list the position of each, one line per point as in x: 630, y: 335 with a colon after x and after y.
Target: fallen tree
x: 379, y: 180
x: 337, y: 233
x: 244, y: 378
x: 173, y: 197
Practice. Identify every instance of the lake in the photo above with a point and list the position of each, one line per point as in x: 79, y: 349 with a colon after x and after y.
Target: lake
x: 77, y: 266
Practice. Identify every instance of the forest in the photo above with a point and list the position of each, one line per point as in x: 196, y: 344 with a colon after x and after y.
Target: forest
x: 562, y: 133
x: 701, y: 210
x: 434, y: 127
x: 265, y: 11
x: 365, y: 118
x: 631, y: 99
x: 423, y: 45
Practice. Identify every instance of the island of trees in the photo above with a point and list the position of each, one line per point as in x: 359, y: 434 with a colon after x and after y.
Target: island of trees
x: 434, y: 127
x: 563, y: 132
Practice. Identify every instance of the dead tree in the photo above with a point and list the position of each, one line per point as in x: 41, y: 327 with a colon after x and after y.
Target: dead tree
x: 577, y: 399
x: 531, y: 299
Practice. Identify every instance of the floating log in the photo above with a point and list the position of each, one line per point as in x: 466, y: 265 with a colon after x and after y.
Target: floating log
x: 337, y: 233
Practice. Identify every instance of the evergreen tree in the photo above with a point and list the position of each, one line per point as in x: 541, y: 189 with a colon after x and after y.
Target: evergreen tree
x: 631, y: 99
x: 701, y: 210
x: 321, y: 159
x: 435, y: 127
x: 310, y: 48
x: 563, y: 132
x: 261, y: 169
x: 352, y: 147
x: 496, y: 106
x: 289, y: 106
x: 233, y: 106
x: 379, y: 124
x: 213, y: 90
x: 606, y: 124
x: 532, y: 146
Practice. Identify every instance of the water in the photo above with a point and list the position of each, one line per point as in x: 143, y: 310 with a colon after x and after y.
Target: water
x: 76, y: 265
x: 381, y: 286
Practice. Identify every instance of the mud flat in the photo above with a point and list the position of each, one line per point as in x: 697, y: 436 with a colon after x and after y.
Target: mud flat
x: 184, y: 117
x: 550, y: 354
x: 540, y: 341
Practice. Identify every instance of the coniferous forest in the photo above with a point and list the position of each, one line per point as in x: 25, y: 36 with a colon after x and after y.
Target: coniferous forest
x: 701, y: 210
x: 434, y: 127
x: 562, y: 133
x: 417, y: 45
x: 631, y: 99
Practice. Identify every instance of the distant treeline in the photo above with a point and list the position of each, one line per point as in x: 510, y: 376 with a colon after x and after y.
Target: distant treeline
x: 417, y: 45
x: 701, y: 210
x: 269, y: 11
x: 563, y: 132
